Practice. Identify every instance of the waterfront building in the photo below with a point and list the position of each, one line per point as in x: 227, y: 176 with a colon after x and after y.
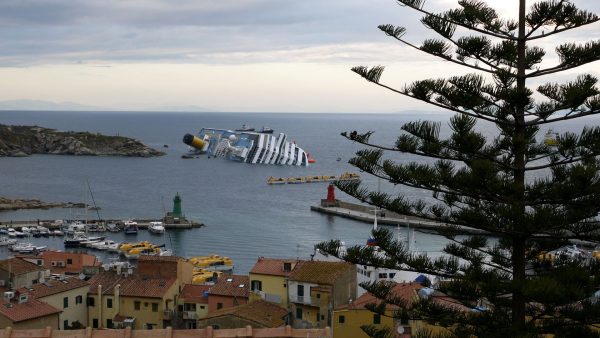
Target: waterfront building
x: 258, y: 314
x: 67, y: 294
x: 167, y: 267
x: 20, y: 311
x: 315, y: 288
x: 16, y: 273
x: 228, y: 291
x: 192, y: 304
x: 137, y: 301
x: 348, y: 318
x: 269, y: 279
x: 67, y: 263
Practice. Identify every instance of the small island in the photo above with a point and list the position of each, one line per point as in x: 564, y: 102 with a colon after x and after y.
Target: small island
x: 17, y: 141
x: 7, y: 204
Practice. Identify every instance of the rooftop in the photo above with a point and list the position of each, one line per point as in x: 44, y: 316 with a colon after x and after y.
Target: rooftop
x: 231, y: 285
x: 273, y: 266
x: 407, y: 292
x: 261, y: 312
x: 132, y: 286
x: 194, y: 293
x: 320, y: 272
x: 53, y: 286
x: 30, y: 309
x: 18, y: 266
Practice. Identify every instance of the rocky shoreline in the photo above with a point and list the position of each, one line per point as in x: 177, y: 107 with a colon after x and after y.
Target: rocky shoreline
x: 17, y: 141
x: 7, y: 204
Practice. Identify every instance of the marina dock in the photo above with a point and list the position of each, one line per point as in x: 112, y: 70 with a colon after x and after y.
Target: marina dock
x: 366, y: 214
x: 52, y: 225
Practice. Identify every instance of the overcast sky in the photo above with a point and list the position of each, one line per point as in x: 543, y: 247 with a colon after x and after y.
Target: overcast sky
x: 226, y: 55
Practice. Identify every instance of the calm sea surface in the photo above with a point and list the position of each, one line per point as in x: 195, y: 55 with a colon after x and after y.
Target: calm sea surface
x: 245, y: 218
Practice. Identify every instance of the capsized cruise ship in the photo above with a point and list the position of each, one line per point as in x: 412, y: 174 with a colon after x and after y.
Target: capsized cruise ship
x: 247, y: 146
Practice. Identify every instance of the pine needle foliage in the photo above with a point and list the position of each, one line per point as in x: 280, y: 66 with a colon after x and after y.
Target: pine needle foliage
x: 488, y: 183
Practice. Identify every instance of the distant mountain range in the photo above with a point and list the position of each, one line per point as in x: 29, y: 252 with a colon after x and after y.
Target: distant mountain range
x: 72, y: 106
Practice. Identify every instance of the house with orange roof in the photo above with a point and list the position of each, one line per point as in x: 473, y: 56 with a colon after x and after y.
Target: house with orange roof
x: 17, y: 273
x: 318, y: 287
x: 67, y: 294
x: 166, y: 266
x: 269, y: 279
x: 20, y: 311
x: 192, y: 304
x: 348, y: 318
x: 258, y: 314
x: 228, y: 291
x: 140, y: 302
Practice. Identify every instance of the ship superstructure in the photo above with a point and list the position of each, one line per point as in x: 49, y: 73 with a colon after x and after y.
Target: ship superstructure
x: 246, y: 146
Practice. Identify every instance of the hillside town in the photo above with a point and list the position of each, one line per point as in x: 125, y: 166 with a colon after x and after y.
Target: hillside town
x: 74, y: 290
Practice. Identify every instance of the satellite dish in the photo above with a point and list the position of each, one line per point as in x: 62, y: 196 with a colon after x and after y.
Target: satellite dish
x: 400, y: 329
x: 81, y: 276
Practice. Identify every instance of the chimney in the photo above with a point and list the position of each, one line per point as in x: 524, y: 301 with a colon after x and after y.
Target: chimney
x: 117, y: 298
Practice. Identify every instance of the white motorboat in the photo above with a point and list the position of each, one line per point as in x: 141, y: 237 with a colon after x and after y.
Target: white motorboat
x: 104, y: 245
x: 57, y: 233
x: 25, y: 230
x: 27, y: 247
x: 156, y: 227
x: 4, y: 241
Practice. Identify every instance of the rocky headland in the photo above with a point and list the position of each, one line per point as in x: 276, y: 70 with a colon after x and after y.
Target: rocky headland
x: 20, y: 203
x: 26, y: 140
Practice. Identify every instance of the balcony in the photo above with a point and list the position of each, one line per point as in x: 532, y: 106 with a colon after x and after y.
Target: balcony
x: 306, y: 300
x: 190, y: 315
x: 167, y: 314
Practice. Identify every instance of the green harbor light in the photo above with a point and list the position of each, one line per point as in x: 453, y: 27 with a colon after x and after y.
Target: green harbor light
x: 177, y: 206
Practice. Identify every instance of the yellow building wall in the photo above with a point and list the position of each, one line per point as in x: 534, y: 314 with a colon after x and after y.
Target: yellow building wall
x: 127, y: 308
x: 74, y: 312
x: 354, y: 319
x: 275, y: 285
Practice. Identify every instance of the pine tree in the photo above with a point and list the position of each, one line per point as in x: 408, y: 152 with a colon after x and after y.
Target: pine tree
x: 528, y: 195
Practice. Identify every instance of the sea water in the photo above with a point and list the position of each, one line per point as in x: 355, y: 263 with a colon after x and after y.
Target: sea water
x: 244, y: 217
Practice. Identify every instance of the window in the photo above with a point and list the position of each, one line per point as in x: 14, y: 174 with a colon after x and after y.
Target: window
x: 191, y: 325
x: 318, y: 316
x: 65, y: 302
x: 383, y: 275
x: 78, y: 299
x: 154, y: 307
x: 202, y: 307
x: 189, y: 307
x: 95, y: 323
x: 298, y: 313
x: 109, y: 324
x: 318, y: 295
x: 109, y: 303
x: 65, y: 324
x: 219, y: 306
x: 256, y: 285
x: 376, y: 319
x: 69, y: 261
x: 392, y: 274
x: 300, y: 290
x: 39, y: 262
x: 341, y: 319
x: 404, y: 320
x: 91, y: 301
x: 136, y: 305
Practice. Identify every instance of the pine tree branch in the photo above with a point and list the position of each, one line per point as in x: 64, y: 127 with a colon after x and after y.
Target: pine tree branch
x: 443, y: 57
x: 542, y: 22
x: 503, y: 35
x: 541, y: 121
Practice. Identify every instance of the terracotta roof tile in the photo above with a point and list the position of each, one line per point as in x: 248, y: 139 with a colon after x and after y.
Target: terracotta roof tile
x: 132, y: 286
x: 261, y: 312
x: 53, y: 286
x: 320, y: 272
x: 272, y: 266
x: 231, y: 285
x: 409, y: 293
x: 19, y: 266
x: 31, y: 309
x: 194, y: 293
